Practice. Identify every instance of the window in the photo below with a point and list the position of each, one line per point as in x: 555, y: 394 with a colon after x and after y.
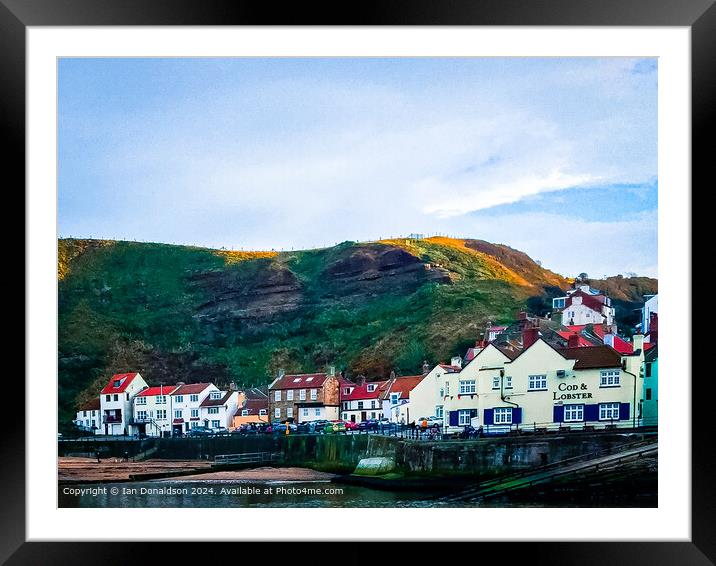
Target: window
x: 289, y: 395
x: 447, y: 388
x: 394, y: 398
x: 371, y: 387
x: 84, y: 413
x: 558, y: 303
x: 277, y: 413
x: 463, y: 417
x: 318, y: 412
x: 141, y: 400
x: 161, y: 400
x: 648, y: 369
x: 289, y: 412
x: 117, y: 382
x: 194, y: 398
x: 537, y: 383
x: 609, y: 378
x: 360, y: 405
x: 178, y: 414
x: 345, y: 405
x: 372, y: 404
x: 194, y: 424
x: 648, y: 393
x: 216, y: 424
x: 262, y: 411
x: 439, y: 411
x: 244, y: 412
x: 215, y: 394
x: 179, y: 398
x: 213, y: 410
x: 195, y: 413
x: 467, y: 386
x: 116, y: 397
x: 573, y: 413
x: 496, y: 382
x: 372, y: 415
x: 161, y: 414
x: 309, y: 379
x: 508, y: 382
x: 305, y: 412
x: 142, y: 415
x: 345, y: 416
x: 108, y: 398
x: 314, y: 394
x: 302, y: 394
x: 346, y: 391
x: 297, y: 380
x: 277, y: 395
x: 608, y: 411
x: 502, y: 415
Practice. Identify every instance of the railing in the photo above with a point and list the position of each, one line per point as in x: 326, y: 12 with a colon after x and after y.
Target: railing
x: 111, y: 420
x: 246, y: 458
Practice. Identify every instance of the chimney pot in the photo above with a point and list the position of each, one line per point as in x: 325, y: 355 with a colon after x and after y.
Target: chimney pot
x: 529, y: 337
x: 456, y: 361
x: 573, y: 341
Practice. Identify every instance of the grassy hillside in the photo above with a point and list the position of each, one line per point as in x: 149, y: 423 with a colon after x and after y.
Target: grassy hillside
x: 185, y: 313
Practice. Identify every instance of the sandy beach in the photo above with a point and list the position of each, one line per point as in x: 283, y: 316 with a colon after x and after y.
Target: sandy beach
x: 77, y: 469
x: 262, y: 474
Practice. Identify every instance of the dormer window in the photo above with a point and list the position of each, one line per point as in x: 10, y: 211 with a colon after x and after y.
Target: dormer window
x: 347, y: 391
x: 215, y: 394
x: 297, y: 380
x: 394, y: 398
x: 309, y: 379
x: 371, y: 387
x: 118, y: 382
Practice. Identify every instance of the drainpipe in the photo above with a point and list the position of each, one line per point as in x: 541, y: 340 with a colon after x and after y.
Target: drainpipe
x: 502, y: 392
x: 633, y: 409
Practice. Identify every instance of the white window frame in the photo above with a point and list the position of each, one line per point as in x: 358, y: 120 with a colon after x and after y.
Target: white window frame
x: 302, y: 395
x: 371, y: 387
x: 318, y: 412
x: 277, y: 412
x: 609, y: 411
x: 439, y: 411
x: 194, y: 398
x: 244, y: 412
x: 502, y: 415
x: 215, y: 424
x: 179, y: 399
x: 289, y: 412
x: 508, y: 382
x: 496, y: 382
x: 194, y: 413
x: 213, y: 411
x: 467, y: 387
x: 314, y: 394
x: 141, y: 400
x: 142, y: 415
x: 262, y: 412
x: 394, y: 397
x: 289, y: 395
x: 161, y: 400
x: 463, y: 417
x: 574, y: 413
x: 305, y: 412
x: 161, y: 414
x: 215, y: 395
x: 610, y: 378
x: 277, y: 395
x: 178, y: 414
x: 537, y: 382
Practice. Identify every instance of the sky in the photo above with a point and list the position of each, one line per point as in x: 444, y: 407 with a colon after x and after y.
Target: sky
x: 556, y: 157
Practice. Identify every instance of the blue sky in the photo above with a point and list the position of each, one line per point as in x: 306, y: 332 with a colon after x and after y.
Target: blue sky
x: 556, y: 157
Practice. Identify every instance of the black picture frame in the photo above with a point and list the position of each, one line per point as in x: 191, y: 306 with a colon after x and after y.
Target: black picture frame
x: 699, y: 15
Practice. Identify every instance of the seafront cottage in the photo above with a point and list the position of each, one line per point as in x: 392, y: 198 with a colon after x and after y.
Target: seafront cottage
x: 305, y: 397
x: 361, y: 401
x: 116, y: 403
x: 153, y: 412
x: 459, y: 390
x: 427, y: 397
x: 584, y: 305
x: 88, y: 417
x: 650, y: 403
x: 186, y: 402
x: 217, y: 410
x: 396, y: 398
x: 252, y: 407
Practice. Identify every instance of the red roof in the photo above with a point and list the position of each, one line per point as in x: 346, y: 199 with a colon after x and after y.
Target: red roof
x: 300, y: 381
x: 161, y: 390
x: 620, y: 345
x: 124, y: 380
x: 191, y: 388
x: 594, y: 302
x: 404, y: 385
x: 361, y: 391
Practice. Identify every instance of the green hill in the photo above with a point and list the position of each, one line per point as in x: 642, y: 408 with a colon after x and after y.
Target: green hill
x: 179, y: 313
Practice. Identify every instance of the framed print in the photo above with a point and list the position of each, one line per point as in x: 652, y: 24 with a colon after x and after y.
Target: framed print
x: 397, y: 277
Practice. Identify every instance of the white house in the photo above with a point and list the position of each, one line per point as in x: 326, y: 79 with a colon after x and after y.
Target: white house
x: 584, y: 305
x: 116, y: 403
x: 218, y: 408
x: 651, y: 305
x: 88, y: 417
x: 361, y: 401
x: 153, y: 412
x: 396, y: 398
x: 427, y: 397
x: 186, y: 403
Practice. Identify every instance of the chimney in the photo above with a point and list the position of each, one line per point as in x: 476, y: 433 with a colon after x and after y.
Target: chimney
x: 392, y: 374
x: 332, y: 371
x: 233, y: 386
x: 529, y: 337
x: 522, y: 315
x: 456, y: 361
x: 609, y: 339
x: 426, y: 367
x: 281, y: 373
x: 637, y: 342
x: 360, y: 380
x: 573, y: 341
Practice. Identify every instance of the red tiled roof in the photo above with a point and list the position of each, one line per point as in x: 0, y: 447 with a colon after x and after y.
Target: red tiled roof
x: 124, y: 378
x: 301, y: 381
x: 191, y: 388
x: 160, y: 390
x: 404, y: 385
x: 209, y: 402
x: 620, y: 345
x: 361, y: 391
x: 594, y: 357
x: 92, y: 405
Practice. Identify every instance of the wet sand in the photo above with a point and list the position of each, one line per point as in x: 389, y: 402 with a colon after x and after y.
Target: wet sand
x: 76, y: 469
x: 261, y: 474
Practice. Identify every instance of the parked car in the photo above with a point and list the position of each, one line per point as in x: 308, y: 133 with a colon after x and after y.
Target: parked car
x: 305, y: 428
x: 429, y: 422
x: 280, y: 428
x: 334, y: 427
x: 219, y: 431
x: 199, y: 431
x: 351, y: 425
x: 370, y: 424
